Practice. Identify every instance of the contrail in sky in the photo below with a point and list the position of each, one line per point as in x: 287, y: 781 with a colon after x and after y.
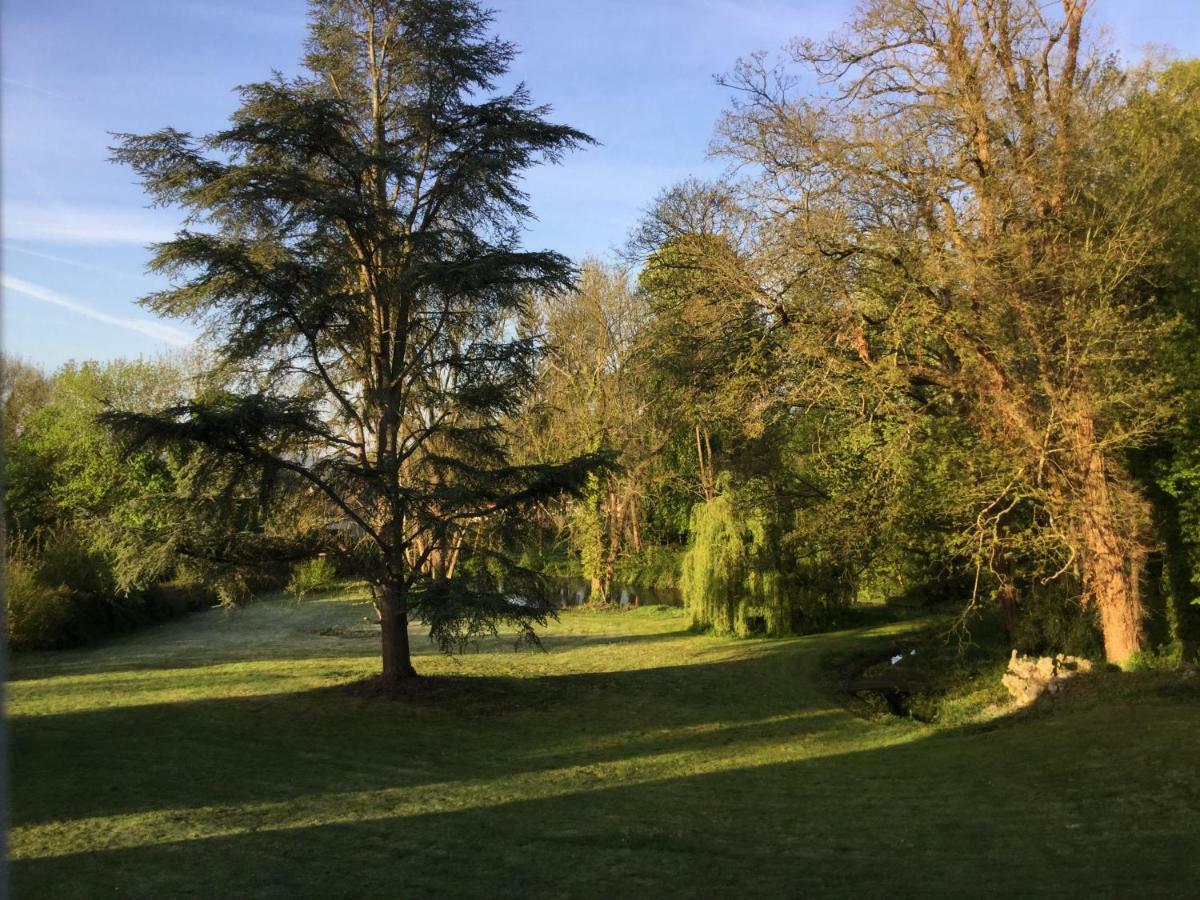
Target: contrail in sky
x: 156, y: 330
x: 102, y: 270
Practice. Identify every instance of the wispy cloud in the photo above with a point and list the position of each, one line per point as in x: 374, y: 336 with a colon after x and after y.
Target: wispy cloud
x: 32, y: 88
x: 66, y: 225
x: 148, y: 327
x: 74, y: 263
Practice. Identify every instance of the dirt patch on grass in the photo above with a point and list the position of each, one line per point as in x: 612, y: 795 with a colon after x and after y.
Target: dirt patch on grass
x: 349, y: 631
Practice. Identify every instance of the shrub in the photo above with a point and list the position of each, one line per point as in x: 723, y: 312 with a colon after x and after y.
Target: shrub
x: 233, y: 589
x: 1164, y: 657
x: 64, y: 595
x: 1052, y: 620
x: 66, y: 561
x: 312, y: 576
x: 36, y: 616
x: 180, y: 595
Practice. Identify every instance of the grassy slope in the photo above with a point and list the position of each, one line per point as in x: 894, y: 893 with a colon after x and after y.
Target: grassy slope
x: 220, y: 756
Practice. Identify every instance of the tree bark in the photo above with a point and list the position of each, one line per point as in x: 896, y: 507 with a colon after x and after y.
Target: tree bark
x: 1009, y: 599
x: 634, y: 530
x: 397, y: 656
x: 616, y: 530
x: 1108, y: 579
x: 706, y: 476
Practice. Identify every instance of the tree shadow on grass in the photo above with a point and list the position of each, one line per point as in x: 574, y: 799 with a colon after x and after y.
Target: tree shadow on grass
x: 719, y: 777
x: 273, y: 746
x: 122, y: 655
x: 1050, y: 808
x: 280, y: 743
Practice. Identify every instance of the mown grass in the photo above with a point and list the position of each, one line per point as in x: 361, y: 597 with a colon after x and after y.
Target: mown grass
x: 224, y: 756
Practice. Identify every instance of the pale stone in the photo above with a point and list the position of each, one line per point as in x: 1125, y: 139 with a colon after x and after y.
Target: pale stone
x: 1029, y: 677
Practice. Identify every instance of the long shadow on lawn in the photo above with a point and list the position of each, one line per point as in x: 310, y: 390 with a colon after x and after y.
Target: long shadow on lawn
x: 279, y: 746
x: 75, y: 663
x: 1050, y: 808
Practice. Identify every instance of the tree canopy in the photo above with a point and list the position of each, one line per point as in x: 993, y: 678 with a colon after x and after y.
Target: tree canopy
x: 932, y: 335
x: 353, y: 251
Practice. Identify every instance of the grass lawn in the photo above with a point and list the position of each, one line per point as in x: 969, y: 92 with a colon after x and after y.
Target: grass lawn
x: 222, y: 756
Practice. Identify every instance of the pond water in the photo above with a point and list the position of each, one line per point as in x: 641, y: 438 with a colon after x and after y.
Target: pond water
x: 577, y: 591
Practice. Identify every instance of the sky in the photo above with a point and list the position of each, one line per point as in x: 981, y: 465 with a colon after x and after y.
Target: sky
x: 638, y: 75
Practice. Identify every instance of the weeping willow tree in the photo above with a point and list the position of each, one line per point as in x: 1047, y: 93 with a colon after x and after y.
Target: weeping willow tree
x: 731, y: 580
x: 743, y: 573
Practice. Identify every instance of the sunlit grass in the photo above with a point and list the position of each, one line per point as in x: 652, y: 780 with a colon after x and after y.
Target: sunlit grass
x: 223, y: 755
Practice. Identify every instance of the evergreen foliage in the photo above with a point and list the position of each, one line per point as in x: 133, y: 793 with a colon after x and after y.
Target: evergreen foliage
x: 353, y: 251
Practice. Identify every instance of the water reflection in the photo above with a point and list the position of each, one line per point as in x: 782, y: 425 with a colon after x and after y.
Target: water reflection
x: 578, y: 591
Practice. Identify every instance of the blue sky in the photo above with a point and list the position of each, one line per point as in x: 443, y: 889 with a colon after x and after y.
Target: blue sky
x: 636, y: 75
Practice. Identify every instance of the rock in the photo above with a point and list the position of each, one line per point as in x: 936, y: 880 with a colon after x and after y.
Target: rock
x: 1028, y: 677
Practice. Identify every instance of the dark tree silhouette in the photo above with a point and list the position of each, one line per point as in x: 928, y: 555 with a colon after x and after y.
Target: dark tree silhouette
x: 355, y: 257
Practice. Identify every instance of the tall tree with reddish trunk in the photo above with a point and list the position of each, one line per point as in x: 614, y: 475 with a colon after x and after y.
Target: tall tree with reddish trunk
x: 958, y: 234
